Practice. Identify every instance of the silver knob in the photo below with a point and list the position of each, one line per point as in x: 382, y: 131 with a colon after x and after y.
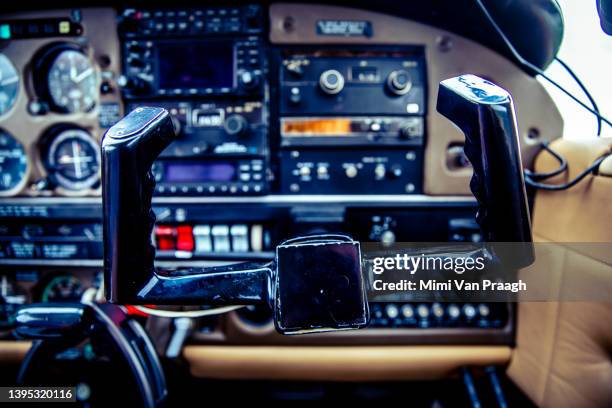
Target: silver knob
x: 438, y: 310
x: 484, y: 310
x: 423, y: 311
x: 351, y: 171
x: 392, y: 311
x: 469, y: 311
x: 387, y: 238
x: 399, y: 82
x: 331, y: 82
x: 453, y: 311
x: 407, y: 311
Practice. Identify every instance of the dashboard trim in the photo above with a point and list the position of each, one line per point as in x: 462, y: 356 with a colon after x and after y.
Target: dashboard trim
x: 373, y: 363
x: 270, y: 199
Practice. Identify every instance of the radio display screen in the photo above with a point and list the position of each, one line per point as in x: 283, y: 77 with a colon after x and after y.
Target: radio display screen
x: 196, y: 65
x: 185, y: 172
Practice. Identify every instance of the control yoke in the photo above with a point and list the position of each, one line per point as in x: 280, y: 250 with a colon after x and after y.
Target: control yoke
x: 315, y: 283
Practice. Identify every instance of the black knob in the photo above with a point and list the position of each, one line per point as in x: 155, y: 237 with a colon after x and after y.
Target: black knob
x: 136, y: 62
x: 135, y: 48
x: 399, y: 82
x: 106, y: 88
x: 236, y: 125
x: 133, y: 84
x: 409, y: 130
x: 249, y: 80
x: 331, y: 82
x: 128, y: 23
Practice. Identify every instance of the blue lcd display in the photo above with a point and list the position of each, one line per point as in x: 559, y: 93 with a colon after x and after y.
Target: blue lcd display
x: 199, y: 172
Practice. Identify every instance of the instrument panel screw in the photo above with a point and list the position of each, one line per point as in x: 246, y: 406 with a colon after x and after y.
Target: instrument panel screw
x: 445, y: 43
x: 533, y: 134
x: 288, y: 24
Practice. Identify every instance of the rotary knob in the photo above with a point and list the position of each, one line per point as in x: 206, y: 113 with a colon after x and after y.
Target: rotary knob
x: 249, y: 80
x: 236, y: 125
x: 399, y: 82
x: 134, y: 84
x: 331, y: 82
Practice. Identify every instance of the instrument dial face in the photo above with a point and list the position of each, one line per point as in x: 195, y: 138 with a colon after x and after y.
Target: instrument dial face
x: 72, y: 82
x: 74, y: 160
x: 13, y: 164
x: 63, y: 289
x: 9, y: 84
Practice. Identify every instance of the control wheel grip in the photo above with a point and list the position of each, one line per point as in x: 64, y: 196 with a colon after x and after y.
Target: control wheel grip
x: 485, y: 113
x: 129, y: 149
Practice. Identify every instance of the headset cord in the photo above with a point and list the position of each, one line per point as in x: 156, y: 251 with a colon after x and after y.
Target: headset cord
x: 532, y: 67
x: 533, y: 179
x: 585, y: 91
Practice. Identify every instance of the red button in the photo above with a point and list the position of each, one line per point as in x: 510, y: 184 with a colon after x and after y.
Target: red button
x: 165, y: 236
x: 184, y: 238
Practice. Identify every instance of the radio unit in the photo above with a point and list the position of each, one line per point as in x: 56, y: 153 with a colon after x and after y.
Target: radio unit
x: 336, y: 82
x: 373, y: 131
x: 180, y: 67
x: 210, y: 177
x: 192, y: 52
x: 351, y: 171
x: 216, y: 128
x: 352, y: 122
x: 221, y: 149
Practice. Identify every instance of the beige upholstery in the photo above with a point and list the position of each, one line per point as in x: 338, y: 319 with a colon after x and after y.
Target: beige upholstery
x: 563, y: 356
x: 333, y: 363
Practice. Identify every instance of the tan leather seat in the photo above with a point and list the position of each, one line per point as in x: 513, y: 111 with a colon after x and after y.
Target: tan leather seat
x: 563, y: 356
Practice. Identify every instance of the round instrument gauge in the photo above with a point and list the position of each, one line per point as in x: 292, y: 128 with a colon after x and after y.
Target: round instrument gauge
x: 13, y: 164
x: 9, y: 84
x: 73, y: 160
x: 72, y: 82
x: 64, y: 288
x: 65, y: 78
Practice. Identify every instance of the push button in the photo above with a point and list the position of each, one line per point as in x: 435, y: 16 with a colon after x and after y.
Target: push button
x: 203, y: 240
x: 221, y: 239
x: 240, y: 238
x: 165, y: 236
x: 184, y: 238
